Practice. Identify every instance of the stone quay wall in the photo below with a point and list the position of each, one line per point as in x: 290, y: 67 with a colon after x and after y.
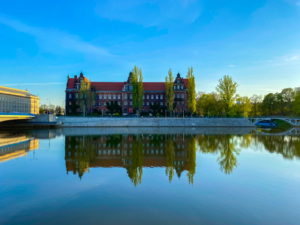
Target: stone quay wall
x: 67, y: 121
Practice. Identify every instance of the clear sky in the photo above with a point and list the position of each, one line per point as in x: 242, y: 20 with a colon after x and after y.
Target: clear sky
x: 257, y: 42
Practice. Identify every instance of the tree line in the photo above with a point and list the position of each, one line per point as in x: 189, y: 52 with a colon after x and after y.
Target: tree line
x: 52, y: 109
x: 225, y: 102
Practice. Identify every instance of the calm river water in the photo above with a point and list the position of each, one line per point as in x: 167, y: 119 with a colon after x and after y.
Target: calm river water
x: 149, y: 176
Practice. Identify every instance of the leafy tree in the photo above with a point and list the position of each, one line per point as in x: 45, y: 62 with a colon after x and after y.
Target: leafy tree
x: 256, y: 102
x: 227, y: 90
x: 268, y: 104
x: 157, y: 109
x: 208, y: 105
x: 113, y: 107
x: 288, y: 96
x: 242, y: 107
x: 296, y: 104
x: 191, y: 90
x: 169, y: 85
x: 86, y: 97
x: 138, y: 88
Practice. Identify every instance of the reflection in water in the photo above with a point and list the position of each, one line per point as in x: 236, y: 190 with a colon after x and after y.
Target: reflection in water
x: 175, y: 152
x: 225, y: 145
x: 14, y: 146
x: 287, y: 146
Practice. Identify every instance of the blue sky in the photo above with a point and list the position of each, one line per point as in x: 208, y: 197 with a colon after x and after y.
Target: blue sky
x: 257, y: 42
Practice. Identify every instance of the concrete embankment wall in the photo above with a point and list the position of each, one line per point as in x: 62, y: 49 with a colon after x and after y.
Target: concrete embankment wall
x: 153, y: 122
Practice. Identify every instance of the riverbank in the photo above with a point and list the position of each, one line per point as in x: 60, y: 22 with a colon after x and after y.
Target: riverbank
x: 67, y: 121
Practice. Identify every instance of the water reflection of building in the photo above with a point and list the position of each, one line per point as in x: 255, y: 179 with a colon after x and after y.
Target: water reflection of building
x: 131, y: 152
x: 12, y: 147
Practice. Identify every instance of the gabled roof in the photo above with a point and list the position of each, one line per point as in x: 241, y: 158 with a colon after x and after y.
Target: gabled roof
x: 71, y: 83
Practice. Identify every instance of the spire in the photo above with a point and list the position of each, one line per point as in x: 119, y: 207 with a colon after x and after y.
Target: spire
x: 129, y: 80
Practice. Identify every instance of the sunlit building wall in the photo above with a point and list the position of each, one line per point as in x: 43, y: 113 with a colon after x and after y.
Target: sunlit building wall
x: 18, y: 101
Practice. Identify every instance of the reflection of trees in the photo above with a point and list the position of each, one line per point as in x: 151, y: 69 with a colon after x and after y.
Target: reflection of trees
x: 228, y: 152
x: 191, y: 159
x: 170, y: 158
x: 135, y: 169
x: 175, y: 152
x: 79, y: 153
x: 287, y: 146
x: 226, y: 145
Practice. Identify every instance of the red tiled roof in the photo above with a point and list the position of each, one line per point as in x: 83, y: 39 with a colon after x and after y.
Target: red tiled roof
x: 118, y: 86
x: 154, y: 86
x: 185, y: 81
x: 108, y: 86
x: 71, y: 83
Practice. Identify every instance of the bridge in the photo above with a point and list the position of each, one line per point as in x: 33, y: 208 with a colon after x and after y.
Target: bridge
x: 295, y: 122
x: 15, y: 116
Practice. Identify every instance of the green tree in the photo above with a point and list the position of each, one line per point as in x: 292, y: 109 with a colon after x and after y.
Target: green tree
x: 256, y: 102
x: 191, y: 88
x: 208, y: 105
x: 169, y: 85
x: 268, y: 104
x: 288, y: 96
x: 227, y: 90
x: 242, y: 107
x: 86, y: 97
x: 296, y: 104
x: 138, y: 88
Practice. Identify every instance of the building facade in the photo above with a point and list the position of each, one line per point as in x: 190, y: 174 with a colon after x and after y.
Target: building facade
x: 121, y: 94
x: 18, y: 101
x: 131, y: 152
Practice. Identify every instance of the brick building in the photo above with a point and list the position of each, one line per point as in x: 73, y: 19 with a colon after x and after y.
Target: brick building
x: 120, y: 93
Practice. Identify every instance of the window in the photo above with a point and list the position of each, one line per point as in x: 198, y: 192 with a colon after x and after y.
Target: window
x: 114, y: 96
x: 157, y: 96
x: 99, y: 96
x: 161, y: 96
x: 152, y: 96
x: 70, y: 95
x: 119, y: 96
x: 70, y: 103
x: 125, y: 102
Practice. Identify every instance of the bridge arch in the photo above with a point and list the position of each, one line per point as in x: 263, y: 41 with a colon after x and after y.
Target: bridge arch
x: 292, y: 121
